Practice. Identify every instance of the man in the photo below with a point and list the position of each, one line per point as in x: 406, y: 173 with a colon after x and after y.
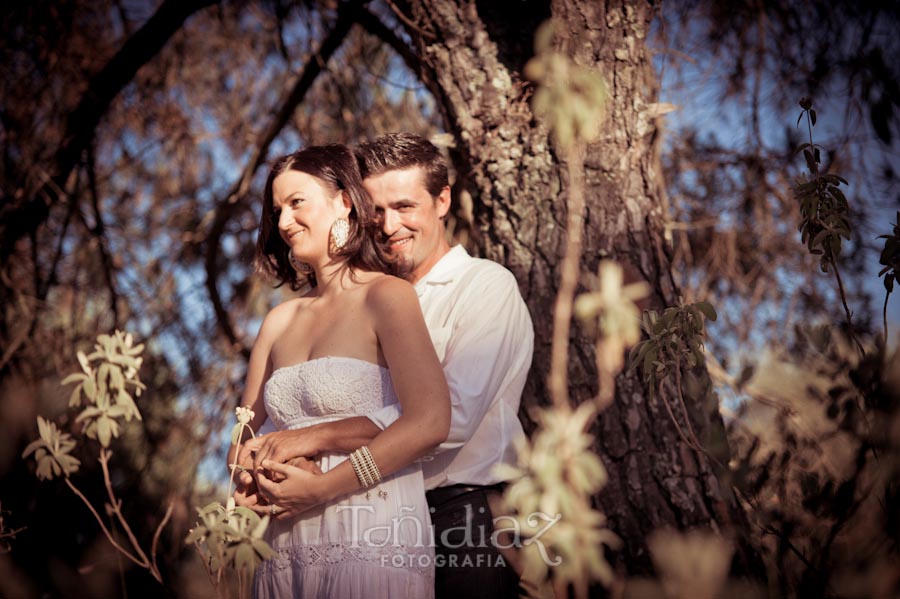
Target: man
x: 483, y: 335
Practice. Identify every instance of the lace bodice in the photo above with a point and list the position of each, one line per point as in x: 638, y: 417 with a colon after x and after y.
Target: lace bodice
x: 328, y: 386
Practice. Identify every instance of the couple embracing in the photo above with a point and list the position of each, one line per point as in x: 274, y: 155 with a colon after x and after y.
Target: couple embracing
x: 390, y: 398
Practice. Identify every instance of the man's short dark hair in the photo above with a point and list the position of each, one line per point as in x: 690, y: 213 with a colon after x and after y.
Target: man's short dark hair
x: 395, y: 151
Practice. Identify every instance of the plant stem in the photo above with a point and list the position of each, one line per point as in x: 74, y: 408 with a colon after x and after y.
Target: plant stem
x: 237, y: 452
x: 115, y: 506
x: 833, y: 259
x: 159, y: 529
x: 562, y: 310
x: 837, y: 275
x: 103, y: 526
x: 884, y: 317
x: 606, y: 379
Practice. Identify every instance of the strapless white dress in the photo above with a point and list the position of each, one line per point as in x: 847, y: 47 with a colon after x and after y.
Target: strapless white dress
x: 355, y: 546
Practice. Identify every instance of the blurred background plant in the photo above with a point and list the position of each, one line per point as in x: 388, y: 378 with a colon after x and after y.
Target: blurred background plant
x: 229, y: 538
x: 7, y: 533
x: 110, y: 374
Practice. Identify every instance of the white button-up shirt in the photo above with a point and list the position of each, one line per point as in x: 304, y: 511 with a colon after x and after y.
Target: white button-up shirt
x: 484, y: 338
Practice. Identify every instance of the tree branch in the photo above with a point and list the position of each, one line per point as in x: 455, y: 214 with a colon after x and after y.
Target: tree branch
x: 99, y: 230
x: 226, y: 209
x: 22, y: 218
x: 374, y: 26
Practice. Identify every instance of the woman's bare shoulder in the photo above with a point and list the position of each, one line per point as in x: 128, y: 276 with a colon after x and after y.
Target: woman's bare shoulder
x: 281, y: 315
x: 387, y: 296
x: 384, y: 286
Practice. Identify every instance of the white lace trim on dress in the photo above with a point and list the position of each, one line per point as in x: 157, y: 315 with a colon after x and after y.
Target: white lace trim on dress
x: 416, y: 559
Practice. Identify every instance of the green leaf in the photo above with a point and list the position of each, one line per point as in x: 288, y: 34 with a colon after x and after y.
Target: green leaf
x: 810, y: 162
x: 649, y: 359
x: 104, y: 430
x: 245, y: 557
x: 196, y: 535
x: 76, y: 376
x: 801, y: 147
x: 812, y: 116
x: 210, y: 508
x: 116, y: 378
x: 85, y: 363
x: 708, y: 310
x: 75, y: 397
x: 262, y: 548
x: 32, y: 447
x: 124, y: 399
x: 819, y: 239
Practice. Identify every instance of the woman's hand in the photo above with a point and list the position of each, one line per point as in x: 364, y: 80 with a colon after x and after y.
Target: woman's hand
x: 285, y: 491
x: 280, y: 446
x: 247, y: 492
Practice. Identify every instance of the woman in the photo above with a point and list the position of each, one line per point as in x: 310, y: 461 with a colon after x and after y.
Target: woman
x: 355, y: 342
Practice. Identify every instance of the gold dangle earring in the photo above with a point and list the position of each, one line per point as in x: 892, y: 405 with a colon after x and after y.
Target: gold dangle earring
x: 340, y: 233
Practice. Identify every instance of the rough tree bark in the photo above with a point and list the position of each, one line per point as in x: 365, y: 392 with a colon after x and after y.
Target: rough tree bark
x: 475, y: 53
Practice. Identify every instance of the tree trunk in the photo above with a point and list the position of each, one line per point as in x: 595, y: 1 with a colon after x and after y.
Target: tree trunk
x: 475, y: 54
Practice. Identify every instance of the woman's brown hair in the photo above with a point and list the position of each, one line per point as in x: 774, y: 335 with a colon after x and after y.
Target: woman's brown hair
x: 336, y: 166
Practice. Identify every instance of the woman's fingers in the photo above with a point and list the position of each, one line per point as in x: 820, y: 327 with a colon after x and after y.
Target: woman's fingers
x: 305, y: 464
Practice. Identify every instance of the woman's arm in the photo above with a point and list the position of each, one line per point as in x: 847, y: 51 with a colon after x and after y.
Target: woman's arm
x: 421, y: 390
x: 259, y: 368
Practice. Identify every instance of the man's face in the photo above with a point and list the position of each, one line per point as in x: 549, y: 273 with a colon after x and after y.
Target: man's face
x: 410, y: 217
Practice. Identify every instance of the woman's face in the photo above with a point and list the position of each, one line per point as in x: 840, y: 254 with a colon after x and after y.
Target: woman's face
x: 305, y: 208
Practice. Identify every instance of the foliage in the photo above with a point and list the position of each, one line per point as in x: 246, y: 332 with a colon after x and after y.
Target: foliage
x: 232, y: 536
x: 128, y: 239
x: 7, y: 535
x: 890, y: 259
x: 674, y: 339
x: 611, y: 315
x: 557, y: 473
x: 736, y: 71
x: 555, y: 476
x: 570, y: 99
x: 816, y: 463
x: 106, y: 389
x: 691, y: 564
x: 99, y: 385
x: 51, y: 451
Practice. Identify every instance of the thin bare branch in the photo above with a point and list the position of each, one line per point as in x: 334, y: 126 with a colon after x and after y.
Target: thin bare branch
x: 21, y: 218
x: 227, y: 208
x: 99, y: 231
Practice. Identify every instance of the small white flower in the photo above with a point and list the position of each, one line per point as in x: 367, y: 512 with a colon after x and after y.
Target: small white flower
x: 244, y: 415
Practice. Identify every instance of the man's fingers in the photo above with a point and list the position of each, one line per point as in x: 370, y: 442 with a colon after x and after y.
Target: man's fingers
x: 267, y: 488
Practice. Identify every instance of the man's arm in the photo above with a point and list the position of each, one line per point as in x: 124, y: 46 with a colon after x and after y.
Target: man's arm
x: 342, y: 436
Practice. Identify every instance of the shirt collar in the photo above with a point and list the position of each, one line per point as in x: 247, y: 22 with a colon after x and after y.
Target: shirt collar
x: 445, y: 270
